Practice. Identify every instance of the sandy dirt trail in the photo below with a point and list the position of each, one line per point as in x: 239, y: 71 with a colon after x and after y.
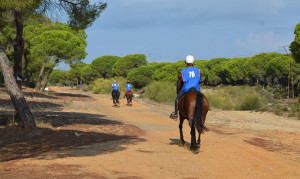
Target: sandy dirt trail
x: 240, y: 144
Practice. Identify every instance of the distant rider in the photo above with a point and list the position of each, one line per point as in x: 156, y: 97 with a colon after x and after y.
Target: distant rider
x: 115, y: 87
x: 128, y: 87
x: 191, y: 79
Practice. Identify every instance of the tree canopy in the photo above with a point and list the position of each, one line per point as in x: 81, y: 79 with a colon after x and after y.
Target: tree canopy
x: 60, y: 44
x: 102, y: 66
x: 123, y: 66
x: 295, y: 45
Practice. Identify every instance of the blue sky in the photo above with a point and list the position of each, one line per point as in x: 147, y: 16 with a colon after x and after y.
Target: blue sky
x: 168, y: 30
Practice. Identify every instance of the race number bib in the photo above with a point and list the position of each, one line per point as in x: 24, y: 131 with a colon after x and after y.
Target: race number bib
x: 192, y: 74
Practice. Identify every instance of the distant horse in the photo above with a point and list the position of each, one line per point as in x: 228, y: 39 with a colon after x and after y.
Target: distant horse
x: 129, y: 96
x: 193, y: 106
x: 115, y: 96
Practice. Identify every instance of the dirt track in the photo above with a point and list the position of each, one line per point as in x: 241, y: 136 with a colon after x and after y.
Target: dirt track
x: 142, y: 142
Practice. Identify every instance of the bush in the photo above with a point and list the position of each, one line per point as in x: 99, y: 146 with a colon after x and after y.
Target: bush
x: 296, y: 108
x: 219, y: 101
x: 278, y: 110
x: 161, y: 92
x: 58, y: 77
x: 168, y: 73
x: 264, y: 108
x: 251, y: 102
x: 125, y: 64
x: 102, y: 66
x: 235, y: 98
x: 103, y: 86
x: 141, y: 76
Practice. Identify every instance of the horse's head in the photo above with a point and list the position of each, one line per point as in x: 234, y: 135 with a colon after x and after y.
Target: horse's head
x: 179, y: 83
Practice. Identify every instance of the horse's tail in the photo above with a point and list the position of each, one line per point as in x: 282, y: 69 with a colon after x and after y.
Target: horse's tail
x: 198, y: 113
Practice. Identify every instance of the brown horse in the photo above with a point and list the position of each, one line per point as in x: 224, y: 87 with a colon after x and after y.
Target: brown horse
x: 193, y: 106
x: 129, y: 96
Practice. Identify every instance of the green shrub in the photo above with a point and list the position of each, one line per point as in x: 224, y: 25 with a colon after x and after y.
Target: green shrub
x: 277, y: 95
x: 168, y: 73
x: 125, y: 64
x: 280, y: 109
x: 219, y: 101
x: 264, y: 108
x: 296, y: 108
x: 278, y: 112
x: 102, y: 66
x: 161, y: 91
x: 141, y: 76
x: 251, y: 102
x: 103, y: 86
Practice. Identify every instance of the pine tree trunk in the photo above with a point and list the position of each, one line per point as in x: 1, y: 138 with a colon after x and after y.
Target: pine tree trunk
x: 14, y: 91
x: 38, y: 85
x: 18, y: 45
x: 26, y: 79
x: 46, y: 78
x: 48, y: 74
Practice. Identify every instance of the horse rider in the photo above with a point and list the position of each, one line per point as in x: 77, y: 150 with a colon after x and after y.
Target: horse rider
x: 115, y: 87
x: 191, y: 79
x: 128, y: 88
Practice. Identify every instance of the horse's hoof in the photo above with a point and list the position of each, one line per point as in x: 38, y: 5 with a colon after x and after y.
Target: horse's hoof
x: 182, y: 143
x: 194, y: 149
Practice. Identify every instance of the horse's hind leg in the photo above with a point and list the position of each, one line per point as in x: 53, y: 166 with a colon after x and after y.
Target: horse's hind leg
x: 198, y: 141
x: 182, y: 142
x: 193, y: 147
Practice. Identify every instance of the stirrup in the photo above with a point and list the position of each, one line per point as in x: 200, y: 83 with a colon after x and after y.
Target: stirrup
x: 174, y: 116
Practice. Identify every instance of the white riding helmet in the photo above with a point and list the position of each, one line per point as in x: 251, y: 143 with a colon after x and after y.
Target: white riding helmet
x: 115, y: 81
x: 189, y: 59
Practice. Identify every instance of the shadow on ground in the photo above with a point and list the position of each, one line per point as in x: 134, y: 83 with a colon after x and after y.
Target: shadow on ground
x: 57, y: 119
x: 17, y: 143
x: 33, y: 105
x: 177, y: 142
x: 38, y: 95
x: 72, y: 96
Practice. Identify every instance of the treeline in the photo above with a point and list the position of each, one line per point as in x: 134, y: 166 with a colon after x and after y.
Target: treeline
x: 46, y: 45
x: 265, y: 69
x: 34, y: 45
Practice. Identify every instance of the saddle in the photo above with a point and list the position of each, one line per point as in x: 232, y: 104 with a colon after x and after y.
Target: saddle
x: 190, y: 90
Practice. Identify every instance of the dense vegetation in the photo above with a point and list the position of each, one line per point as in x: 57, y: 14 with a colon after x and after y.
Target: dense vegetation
x: 56, y: 42
x: 269, y: 70
x: 256, y: 80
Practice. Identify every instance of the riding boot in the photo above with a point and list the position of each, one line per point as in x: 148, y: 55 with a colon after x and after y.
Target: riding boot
x: 174, y: 115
